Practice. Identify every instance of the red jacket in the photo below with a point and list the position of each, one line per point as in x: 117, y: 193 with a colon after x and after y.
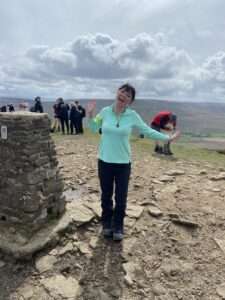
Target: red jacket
x: 162, y: 118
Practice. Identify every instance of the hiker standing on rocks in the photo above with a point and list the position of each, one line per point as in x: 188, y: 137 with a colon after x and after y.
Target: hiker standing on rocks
x: 166, y: 121
x: 114, y: 158
x: 82, y: 114
x: 38, y: 107
x: 64, y: 115
x: 56, y: 121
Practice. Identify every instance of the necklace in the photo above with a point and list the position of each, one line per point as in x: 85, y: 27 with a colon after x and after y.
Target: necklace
x: 118, y: 117
x: 118, y: 120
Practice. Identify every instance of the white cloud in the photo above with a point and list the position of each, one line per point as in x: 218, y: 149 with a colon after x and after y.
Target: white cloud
x: 95, y: 65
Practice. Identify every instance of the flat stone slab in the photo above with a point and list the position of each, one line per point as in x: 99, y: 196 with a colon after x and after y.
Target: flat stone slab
x: 43, y: 238
x: 60, y: 286
x: 134, y: 211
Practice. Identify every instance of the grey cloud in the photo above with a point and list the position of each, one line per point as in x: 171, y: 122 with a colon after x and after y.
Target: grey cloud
x: 97, y: 64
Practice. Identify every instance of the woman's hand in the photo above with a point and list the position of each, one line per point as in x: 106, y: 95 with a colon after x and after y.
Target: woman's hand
x: 91, y: 107
x: 175, y: 136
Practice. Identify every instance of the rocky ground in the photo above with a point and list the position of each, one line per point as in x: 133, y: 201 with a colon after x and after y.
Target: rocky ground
x: 174, y: 248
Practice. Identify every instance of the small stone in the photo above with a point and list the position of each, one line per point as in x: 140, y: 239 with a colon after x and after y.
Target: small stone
x: 154, y: 211
x: 158, y: 289
x: 220, y: 176
x: 67, y: 248
x: 93, y: 242
x: 2, y: 264
x: 128, y: 280
x: 221, y: 290
x: 134, y: 211
x: 45, y: 263
x: 166, y: 178
x: 221, y: 244
x: 60, y: 286
x: 26, y: 292
x: 175, y: 172
x: 184, y: 222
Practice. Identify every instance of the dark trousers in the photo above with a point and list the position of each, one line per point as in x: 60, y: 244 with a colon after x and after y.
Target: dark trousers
x: 74, y: 125
x: 80, y: 125
x: 63, y: 123
x: 111, y: 174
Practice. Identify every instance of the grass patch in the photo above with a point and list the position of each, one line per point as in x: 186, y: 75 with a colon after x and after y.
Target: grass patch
x: 185, y: 151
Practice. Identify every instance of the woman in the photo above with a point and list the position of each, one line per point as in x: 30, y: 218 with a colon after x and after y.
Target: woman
x: 114, y: 163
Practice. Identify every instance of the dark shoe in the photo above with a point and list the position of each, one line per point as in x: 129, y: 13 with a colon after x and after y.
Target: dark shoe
x: 167, y: 150
x: 107, y: 232
x: 118, y: 236
x: 168, y: 153
x: 158, y: 149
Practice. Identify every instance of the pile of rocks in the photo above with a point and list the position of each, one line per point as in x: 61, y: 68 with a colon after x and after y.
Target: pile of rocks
x: 30, y: 185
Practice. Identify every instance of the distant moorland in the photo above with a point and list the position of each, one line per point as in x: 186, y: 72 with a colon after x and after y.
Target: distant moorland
x: 196, y: 120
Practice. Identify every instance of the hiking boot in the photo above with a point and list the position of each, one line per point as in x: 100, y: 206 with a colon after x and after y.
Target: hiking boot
x: 107, y: 232
x: 117, y: 236
x: 167, y: 150
x: 158, y: 149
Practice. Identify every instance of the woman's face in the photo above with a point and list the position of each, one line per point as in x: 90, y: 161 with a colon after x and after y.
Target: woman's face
x: 124, y: 98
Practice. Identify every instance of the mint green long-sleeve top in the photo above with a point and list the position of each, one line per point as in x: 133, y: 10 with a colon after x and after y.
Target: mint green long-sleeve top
x: 116, y: 130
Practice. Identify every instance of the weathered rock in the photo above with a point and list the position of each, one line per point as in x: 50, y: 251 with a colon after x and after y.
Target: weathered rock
x: 31, y: 186
x: 154, y: 211
x: 93, y: 242
x: 60, y: 286
x: 45, y: 263
x: 220, y: 176
x: 79, y: 213
x: 184, y: 222
x: 158, y: 289
x: 129, y: 269
x: 26, y: 292
x: 221, y: 291
x: 166, y: 178
x: 220, y: 243
x: 2, y: 264
x: 65, y: 249
x: 84, y: 248
x: 175, y: 172
x: 134, y: 211
x: 95, y: 207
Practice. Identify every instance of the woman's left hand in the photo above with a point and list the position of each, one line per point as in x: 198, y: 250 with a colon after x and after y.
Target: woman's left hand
x: 175, y: 136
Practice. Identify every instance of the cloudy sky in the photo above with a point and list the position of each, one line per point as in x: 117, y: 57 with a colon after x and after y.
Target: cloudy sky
x: 168, y: 49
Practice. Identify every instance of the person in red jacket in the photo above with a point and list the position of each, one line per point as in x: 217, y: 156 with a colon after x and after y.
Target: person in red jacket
x: 167, y: 121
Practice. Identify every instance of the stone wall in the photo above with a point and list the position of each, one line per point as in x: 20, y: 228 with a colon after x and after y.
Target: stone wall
x: 30, y: 185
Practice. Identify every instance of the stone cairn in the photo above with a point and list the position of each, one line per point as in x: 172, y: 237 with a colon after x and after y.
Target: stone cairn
x: 31, y: 189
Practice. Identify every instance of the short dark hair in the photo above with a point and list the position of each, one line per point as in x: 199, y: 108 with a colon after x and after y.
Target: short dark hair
x: 37, y: 99
x: 129, y: 88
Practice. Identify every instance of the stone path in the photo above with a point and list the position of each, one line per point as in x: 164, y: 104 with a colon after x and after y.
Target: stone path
x: 174, y: 246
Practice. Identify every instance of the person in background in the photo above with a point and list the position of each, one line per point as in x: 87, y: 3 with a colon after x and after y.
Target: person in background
x: 64, y: 115
x: 56, y: 121
x: 11, y: 108
x: 114, y: 157
x: 81, y: 115
x: 24, y: 106
x: 38, y: 107
x: 164, y: 121
x: 74, y: 118
x: 4, y: 108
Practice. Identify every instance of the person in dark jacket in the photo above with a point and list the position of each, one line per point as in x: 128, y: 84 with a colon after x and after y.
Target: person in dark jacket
x: 11, y: 108
x: 38, y: 107
x: 56, y: 122
x: 4, y: 108
x: 166, y: 121
x: 82, y: 114
x: 64, y: 115
x: 74, y: 118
